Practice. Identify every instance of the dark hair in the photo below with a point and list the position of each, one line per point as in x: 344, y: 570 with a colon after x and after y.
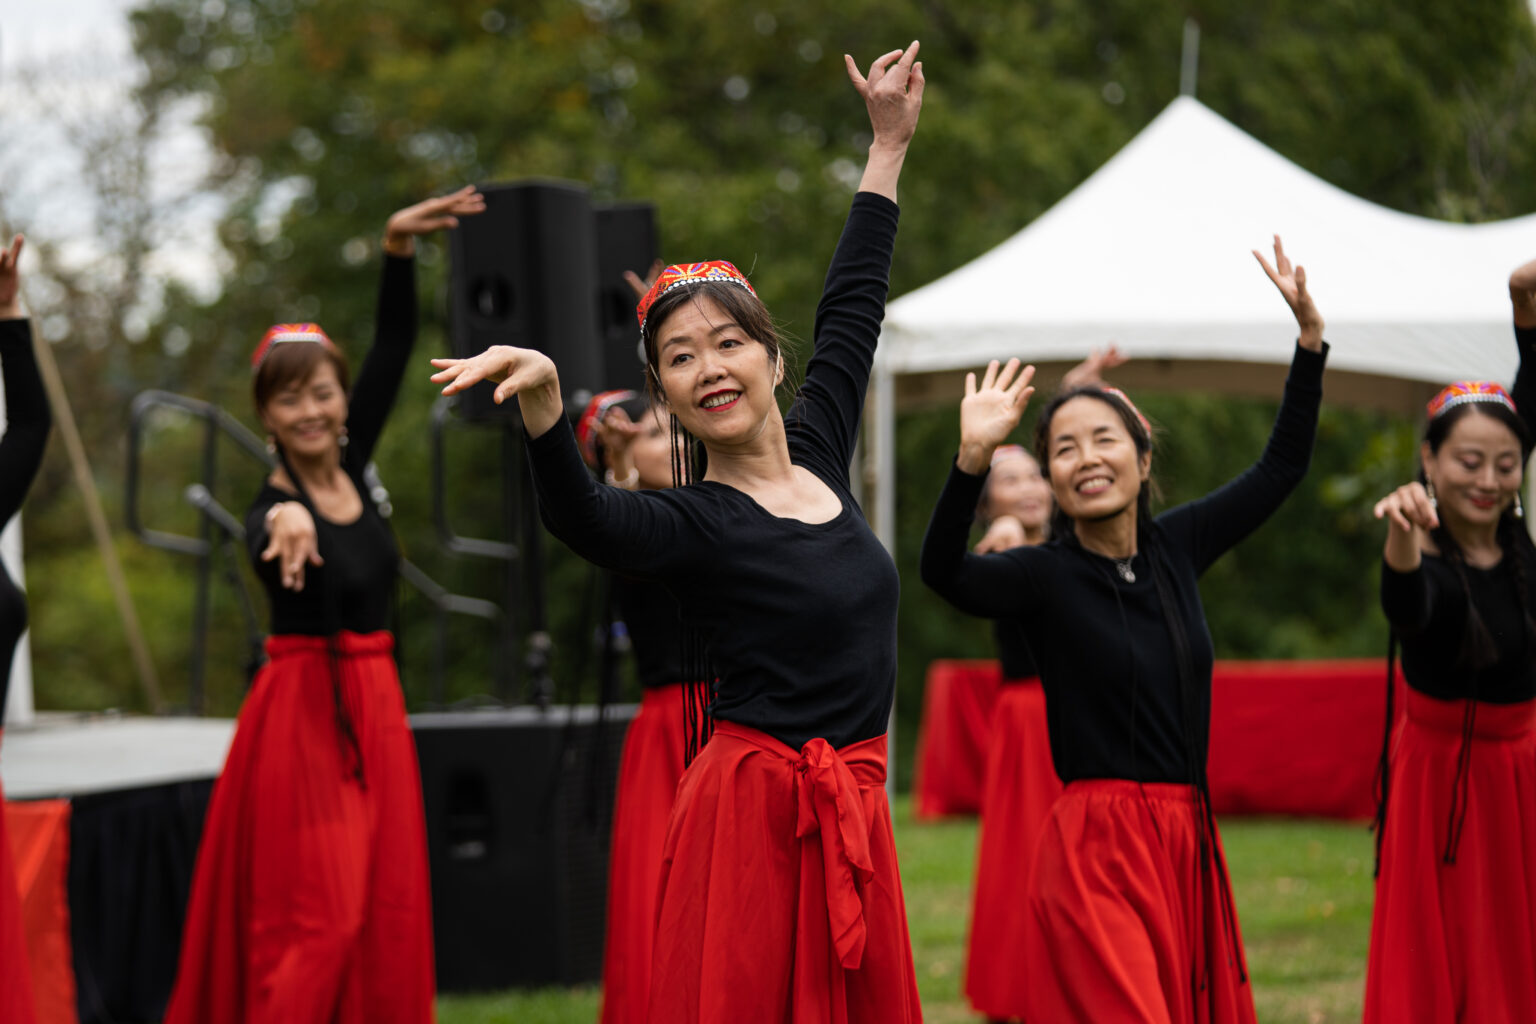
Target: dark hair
x: 1141, y: 437
x: 292, y: 363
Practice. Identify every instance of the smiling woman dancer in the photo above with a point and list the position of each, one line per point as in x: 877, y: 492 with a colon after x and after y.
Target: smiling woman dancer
x: 1130, y: 915
x: 780, y: 898
x: 310, y: 900
x: 1454, y: 933
x: 21, y: 451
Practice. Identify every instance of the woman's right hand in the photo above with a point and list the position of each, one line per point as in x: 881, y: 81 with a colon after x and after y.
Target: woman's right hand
x: 989, y: 413
x: 1407, y: 510
x: 524, y: 372
x: 1522, y: 294
x: 1003, y: 534
x: 292, y: 541
x: 10, y: 280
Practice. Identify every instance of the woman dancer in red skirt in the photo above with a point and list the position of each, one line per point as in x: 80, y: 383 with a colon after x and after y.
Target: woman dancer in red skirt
x: 310, y: 902
x: 779, y: 898
x: 1453, y: 938
x: 21, y: 451
x: 1130, y: 914
x: 1021, y: 783
x: 626, y: 439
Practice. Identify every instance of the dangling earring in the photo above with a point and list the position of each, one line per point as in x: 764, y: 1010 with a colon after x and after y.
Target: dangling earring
x: 271, y: 445
x: 341, y: 437
x: 1434, y: 503
x: 1519, y: 508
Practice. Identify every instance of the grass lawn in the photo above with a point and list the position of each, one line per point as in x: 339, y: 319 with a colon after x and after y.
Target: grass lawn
x: 1303, y: 895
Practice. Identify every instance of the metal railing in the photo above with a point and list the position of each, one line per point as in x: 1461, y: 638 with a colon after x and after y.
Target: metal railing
x: 220, y: 533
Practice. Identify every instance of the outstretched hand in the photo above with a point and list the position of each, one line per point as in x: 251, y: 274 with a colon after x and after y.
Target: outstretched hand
x: 990, y: 412
x: 1090, y: 372
x: 642, y: 285
x: 428, y: 216
x: 524, y: 372
x: 893, y: 95
x: 1292, y: 283
x: 10, y: 280
x: 292, y: 542
x: 1003, y: 534
x: 1522, y: 294
x: 1407, y: 510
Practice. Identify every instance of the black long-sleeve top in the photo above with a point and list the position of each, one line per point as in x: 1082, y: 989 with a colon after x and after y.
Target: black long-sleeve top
x: 27, y: 421
x: 353, y: 590
x: 799, y: 618
x: 651, y: 617
x: 1428, y: 606
x: 1013, y: 654
x: 1113, y: 703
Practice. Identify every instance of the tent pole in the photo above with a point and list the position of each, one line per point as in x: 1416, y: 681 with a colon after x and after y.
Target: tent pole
x: 880, y: 463
x: 1189, y: 61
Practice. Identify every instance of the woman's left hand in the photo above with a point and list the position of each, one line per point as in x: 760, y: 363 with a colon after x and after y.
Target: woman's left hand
x: 1292, y: 283
x: 10, y: 280
x: 1003, y: 534
x: 893, y: 94
x: 428, y: 216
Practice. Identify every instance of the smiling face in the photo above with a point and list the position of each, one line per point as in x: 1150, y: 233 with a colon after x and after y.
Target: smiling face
x: 715, y: 377
x: 1017, y: 488
x: 1096, y: 473
x: 1476, y: 471
x: 306, y: 415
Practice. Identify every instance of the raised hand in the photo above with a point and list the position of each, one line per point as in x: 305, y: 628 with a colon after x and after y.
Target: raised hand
x: 292, y: 541
x: 10, y: 280
x: 428, y: 216
x: 523, y: 372
x: 1292, y: 283
x: 1407, y: 510
x: 1522, y: 294
x: 893, y: 95
x: 1090, y: 372
x: 641, y: 285
x: 1003, y: 533
x: 990, y: 412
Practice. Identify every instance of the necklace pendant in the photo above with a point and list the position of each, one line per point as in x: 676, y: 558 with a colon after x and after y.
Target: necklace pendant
x: 1125, y: 570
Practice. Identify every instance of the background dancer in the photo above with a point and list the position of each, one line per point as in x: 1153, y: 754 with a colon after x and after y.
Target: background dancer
x: 1131, y: 915
x: 624, y: 437
x: 27, y: 421
x: 1454, y: 929
x: 1021, y: 784
x: 780, y: 898
x: 310, y: 901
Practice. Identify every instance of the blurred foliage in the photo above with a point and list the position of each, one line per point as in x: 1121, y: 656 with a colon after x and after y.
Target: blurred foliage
x: 737, y: 121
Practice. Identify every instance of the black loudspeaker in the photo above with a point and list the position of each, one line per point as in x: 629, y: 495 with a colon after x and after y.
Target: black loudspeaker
x: 522, y: 274
x: 519, y: 805
x: 626, y: 240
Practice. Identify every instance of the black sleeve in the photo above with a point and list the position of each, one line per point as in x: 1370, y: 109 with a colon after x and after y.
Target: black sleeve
x: 1406, y: 599
x: 378, y: 380
x: 990, y: 586
x: 647, y: 534
x: 824, y: 419
x: 1208, y: 527
x: 27, y: 419
x: 1524, y: 391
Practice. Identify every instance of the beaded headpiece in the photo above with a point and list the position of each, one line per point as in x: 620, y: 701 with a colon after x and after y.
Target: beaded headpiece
x: 591, y: 416
x: 1108, y: 390
x: 680, y: 274
x: 1465, y: 391
x: 288, y: 332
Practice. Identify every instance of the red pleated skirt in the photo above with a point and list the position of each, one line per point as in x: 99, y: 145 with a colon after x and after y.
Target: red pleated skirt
x: 648, y: 775
x: 310, y: 900
x: 1125, y: 924
x: 16, y: 1000
x: 780, y: 898
x: 1457, y: 942
x: 1021, y: 788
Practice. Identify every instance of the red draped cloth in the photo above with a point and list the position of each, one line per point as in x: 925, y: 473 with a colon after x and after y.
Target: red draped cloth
x: 36, y: 957
x: 1456, y: 943
x: 649, y: 772
x: 951, y: 768
x: 780, y: 898
x: 1126, y: 924
x: 16, y: 1000
x: 310, y: 901
x: 1021, y: 788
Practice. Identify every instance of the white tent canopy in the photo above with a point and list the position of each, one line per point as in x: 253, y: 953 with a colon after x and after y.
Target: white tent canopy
x: 1152, y: 253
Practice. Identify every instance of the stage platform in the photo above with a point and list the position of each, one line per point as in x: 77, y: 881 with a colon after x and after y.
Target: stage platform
x: 61, y: 755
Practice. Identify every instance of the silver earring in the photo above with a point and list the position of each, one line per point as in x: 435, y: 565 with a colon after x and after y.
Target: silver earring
x: 1519, y: 508
x: 341, y: 438
x: 271, y: 445
x: 1433, y: 501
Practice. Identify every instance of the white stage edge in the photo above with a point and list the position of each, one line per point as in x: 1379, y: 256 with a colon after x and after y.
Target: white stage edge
x: 66, y: 755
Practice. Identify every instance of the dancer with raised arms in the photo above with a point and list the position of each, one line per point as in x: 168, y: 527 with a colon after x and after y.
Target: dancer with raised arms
x: 1453, y: 938
x: 780, y: 898
x: 1130, y: 915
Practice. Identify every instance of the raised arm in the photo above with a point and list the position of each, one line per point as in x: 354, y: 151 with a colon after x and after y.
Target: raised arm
x: 27, y: 418
x: 1208, y: 527
x: 826, y: 416
x: 378, y: 379
x: 1522, y: 296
